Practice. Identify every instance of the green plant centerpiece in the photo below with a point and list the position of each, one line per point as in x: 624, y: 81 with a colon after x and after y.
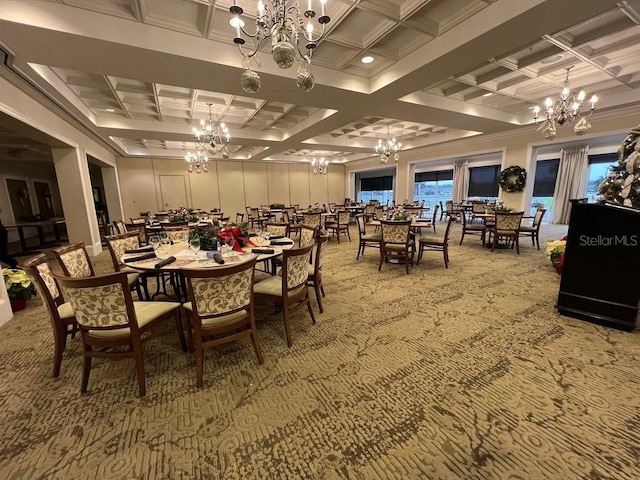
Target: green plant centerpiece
x: 513, y: 179
x: 314, y: 209
x: 182, y: 214
x: 277, y: 206
x: 208, y: 236
x: 19, y: 285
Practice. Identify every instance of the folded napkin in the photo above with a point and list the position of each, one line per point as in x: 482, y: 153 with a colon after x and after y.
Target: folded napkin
x: 262, y: 250
x: 218, y: 258
x: 140, y: 250
x: 142, y: 257
x: 281, y: 242
x: 275, y: 237
x: 164, y: 262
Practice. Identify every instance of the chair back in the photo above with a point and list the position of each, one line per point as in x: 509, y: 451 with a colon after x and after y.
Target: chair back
x: 537, y: 219
x: 119, y: 226
x: 414, y: 212
x: 139, y: 228
x: 478, y: 207
x: 370, y: 209
x: 103, y: 302
x: 253, y: 212
x: 295, y: 269
x: 38, y: 270
x: 318, y: 261
x: 307, y: 236
x: 177, y: 234
x: 445, y: 239
x: 435, y: 213
x: 239, y: 217
x: 361, y: 221
x: 379, y: 212
x: 449, y: 207
x: 508, y: 221
x: 74, y: 260
x: 119, y: 244
x: 344, y: 218
x: 396, y: 232
x: 312, y: 219
x: 221, y: 291
x: 275, y: 228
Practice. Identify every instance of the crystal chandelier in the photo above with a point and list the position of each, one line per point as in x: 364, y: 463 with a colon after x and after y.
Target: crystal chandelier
x: 319, y: 165
x: 387, y: 148
x: 217, y: 137
x: 564, y: 109
x: 198, y: 161
x: 288, y: 26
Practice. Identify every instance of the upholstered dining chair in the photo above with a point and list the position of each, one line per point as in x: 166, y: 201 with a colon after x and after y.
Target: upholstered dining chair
x: 74, y: 260
x: 119, y: 226
x: 139, y: 228
x: 341, y: 225
x: 63, y: 320
x: 288, y: 216
x: 315, y: 270
x: 533, y: 230
x: 307, y: 236
x: 239, y: 217
x: 111, y: 324
x: 254, y: 218
x: 396, y: 242
x: 290, y: 289
x: 118, y: 246
x: 312, y: 219
x: 277, y: 228
x: 435, y: 243
x: 507, y: 226
x: 471, y: 229
x: 365, y: 239
x: 177, y: 233
x: 221, y: 309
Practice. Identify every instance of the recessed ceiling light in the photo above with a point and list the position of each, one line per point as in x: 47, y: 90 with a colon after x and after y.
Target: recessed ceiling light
x: 233, y: 21
x: 553, y: 59
x: 110, y: 109
x: 488, y: 94
x: 367, y: 59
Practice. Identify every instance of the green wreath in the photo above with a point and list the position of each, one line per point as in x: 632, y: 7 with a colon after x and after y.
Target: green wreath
x: 513, y: 179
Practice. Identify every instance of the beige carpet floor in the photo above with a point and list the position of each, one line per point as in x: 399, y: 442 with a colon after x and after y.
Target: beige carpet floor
x: 462, y: 373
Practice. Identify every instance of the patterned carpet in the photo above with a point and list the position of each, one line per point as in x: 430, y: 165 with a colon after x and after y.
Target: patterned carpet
x: 441, y: 374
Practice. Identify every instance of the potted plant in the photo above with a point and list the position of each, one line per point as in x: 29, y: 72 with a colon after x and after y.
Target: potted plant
x: 19, y: 287
x: 555, y: 252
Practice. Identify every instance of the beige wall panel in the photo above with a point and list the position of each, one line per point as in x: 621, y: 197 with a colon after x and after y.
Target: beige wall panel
x: 336, y: 183
x: 278, y: 183
x: 231, y: 185
x: 318, y: 188
x: 137, y: 186
x: 204, y: 188
x: 165, y: 166
x: 173, y: 189
x: 299, y: 184
x: 256, y: 190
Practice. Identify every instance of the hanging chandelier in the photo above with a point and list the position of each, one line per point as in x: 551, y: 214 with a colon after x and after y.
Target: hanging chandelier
x: 565, y: 108
x: 288, y: 26
x: 216, y: 136
x: 198, y: 161
x: 387, y: 148
x: 319, y: 165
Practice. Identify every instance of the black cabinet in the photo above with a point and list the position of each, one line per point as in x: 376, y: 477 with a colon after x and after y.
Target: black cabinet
x: 600, y: 277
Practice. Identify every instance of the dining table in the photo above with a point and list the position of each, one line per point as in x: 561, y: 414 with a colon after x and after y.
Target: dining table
x: 180, y: 257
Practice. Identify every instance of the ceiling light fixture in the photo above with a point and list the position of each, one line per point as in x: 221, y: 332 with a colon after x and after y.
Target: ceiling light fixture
x: 488, y: 94
x: 110, y: 110
x: 198, y: 161
x: 319, y: 165
x: 217, y: 136
x: 367, y: 59
x: 287, y: 25
x: 388, y: 147
x: 563, y: 109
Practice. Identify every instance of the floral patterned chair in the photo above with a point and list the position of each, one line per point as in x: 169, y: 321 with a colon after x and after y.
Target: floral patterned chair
x: 112, y: 325
x: 275, y: 228
x: 63, y: 320
x: 341, y: 225
x: 396, y: 242
x: 221, y: 309
x: 533, y: 230
x: 74, y: 260
x: 434, y: 243
x: 315, y: 270
x: 289, y: 290
x: 366, y: 240
x: 507, y: 226
x: 307, y: 236
x: 118, y: 245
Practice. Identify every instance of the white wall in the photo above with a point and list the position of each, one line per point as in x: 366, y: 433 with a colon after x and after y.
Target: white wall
x: 229, y: 185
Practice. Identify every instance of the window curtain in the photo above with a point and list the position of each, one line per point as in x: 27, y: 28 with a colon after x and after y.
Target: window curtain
x: 460, y: 180
x: 571, y: 183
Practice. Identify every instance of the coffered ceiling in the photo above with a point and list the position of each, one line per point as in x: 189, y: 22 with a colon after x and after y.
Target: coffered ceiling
x: 140, y: 73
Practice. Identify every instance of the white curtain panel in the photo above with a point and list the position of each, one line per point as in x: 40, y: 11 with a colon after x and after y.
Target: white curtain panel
x: 460, y: 180
x: 571, y: 181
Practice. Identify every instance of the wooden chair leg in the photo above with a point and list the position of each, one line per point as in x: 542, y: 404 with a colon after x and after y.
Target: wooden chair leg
x: 382, y: 257
x: 446, y: 257
x: 316, y: 287
x: 137, y: 355
x: 60, y: 343
x: 313, y: 317
x: 517, y: 245
x: 256, y: 346
x: 180, y: 327
x: 199, y: 362
x: 287, y: 327
x: 86, y: 370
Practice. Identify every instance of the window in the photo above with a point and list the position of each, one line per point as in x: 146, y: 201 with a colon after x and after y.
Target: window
x: 433, y: 187
x: 483, y: 182
x: 599, y: 166
x: 375, y: 188
x: 544, y: 184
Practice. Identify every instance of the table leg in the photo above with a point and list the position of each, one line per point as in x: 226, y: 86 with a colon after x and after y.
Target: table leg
x: 41, y: 235
x: 23, y: 241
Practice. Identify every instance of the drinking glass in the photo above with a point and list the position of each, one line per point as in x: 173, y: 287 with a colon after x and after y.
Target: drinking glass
x: 194, y: 245
x: 163, y: 248
x: 163, y: 236
x: 154, y: 241
x: 227, y: 246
